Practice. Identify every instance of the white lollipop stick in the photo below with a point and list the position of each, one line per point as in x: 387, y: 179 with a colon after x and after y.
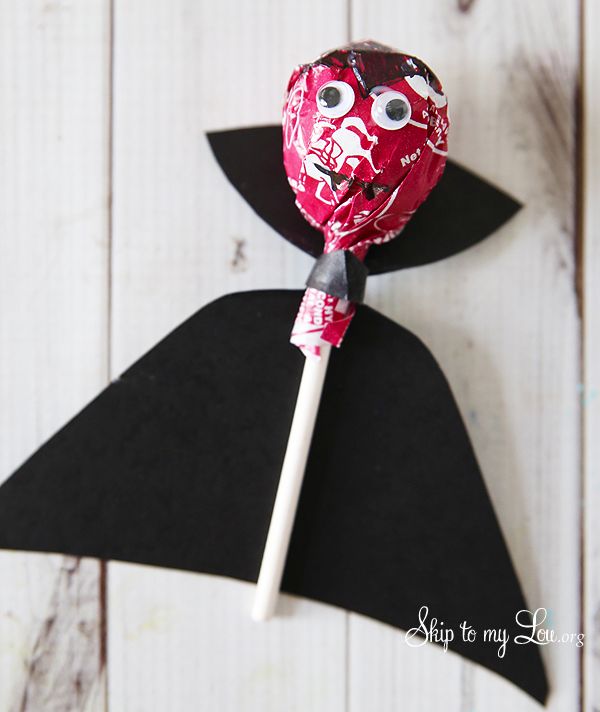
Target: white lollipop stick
x: 290, y: 483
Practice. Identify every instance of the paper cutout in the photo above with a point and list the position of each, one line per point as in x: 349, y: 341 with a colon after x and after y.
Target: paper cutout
x: 176, y: 464
x: 461, y: 210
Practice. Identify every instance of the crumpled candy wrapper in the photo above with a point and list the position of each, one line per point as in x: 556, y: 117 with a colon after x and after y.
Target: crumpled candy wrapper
x: 364, y: 141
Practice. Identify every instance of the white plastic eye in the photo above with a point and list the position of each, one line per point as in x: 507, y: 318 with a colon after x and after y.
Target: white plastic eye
x: 391, y: 110
x: 335, y: 99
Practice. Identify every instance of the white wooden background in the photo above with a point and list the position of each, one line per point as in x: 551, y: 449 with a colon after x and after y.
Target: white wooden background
x: 116, y: 224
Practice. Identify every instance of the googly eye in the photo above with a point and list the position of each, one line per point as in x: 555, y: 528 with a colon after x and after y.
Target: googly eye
x: 335, y: 99
x: 391, y: 110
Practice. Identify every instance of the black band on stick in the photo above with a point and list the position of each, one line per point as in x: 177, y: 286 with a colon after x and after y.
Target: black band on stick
x: 340, y: 274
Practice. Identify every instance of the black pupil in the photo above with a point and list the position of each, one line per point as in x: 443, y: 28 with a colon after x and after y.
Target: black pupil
x: 396, y: 109
x: 329, y: 97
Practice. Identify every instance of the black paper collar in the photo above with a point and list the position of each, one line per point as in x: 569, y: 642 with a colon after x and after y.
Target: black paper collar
x: 461, y: 210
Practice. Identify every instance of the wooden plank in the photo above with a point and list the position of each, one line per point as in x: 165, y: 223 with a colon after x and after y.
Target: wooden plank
x: 53, y: 328
x: 179, y: 637
x: 182, y: 236
x: 591, y: 387
x: 180, y: 70
x: 502, y: 321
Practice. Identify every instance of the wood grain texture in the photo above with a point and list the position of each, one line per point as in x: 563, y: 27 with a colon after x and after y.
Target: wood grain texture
x: 590, y: 390
x: 64, y: 669
x: 181, y: 234
x: 176, y: 638
x: 53, y: 321
x: 502, y: 320
x: 181, y: 237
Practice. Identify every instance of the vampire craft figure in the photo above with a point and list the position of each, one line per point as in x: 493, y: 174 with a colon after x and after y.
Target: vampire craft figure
x: 177, y: 462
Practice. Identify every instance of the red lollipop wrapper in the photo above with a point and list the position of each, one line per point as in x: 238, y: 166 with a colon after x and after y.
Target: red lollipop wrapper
x: 364, y: 141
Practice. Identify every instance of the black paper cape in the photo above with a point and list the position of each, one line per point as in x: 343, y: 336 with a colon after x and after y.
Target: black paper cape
x: 460, y: 211
x: 177, y: 462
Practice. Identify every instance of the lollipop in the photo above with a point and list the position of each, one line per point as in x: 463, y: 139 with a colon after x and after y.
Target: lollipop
x: 364, y: 132
x: 364, y: 142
